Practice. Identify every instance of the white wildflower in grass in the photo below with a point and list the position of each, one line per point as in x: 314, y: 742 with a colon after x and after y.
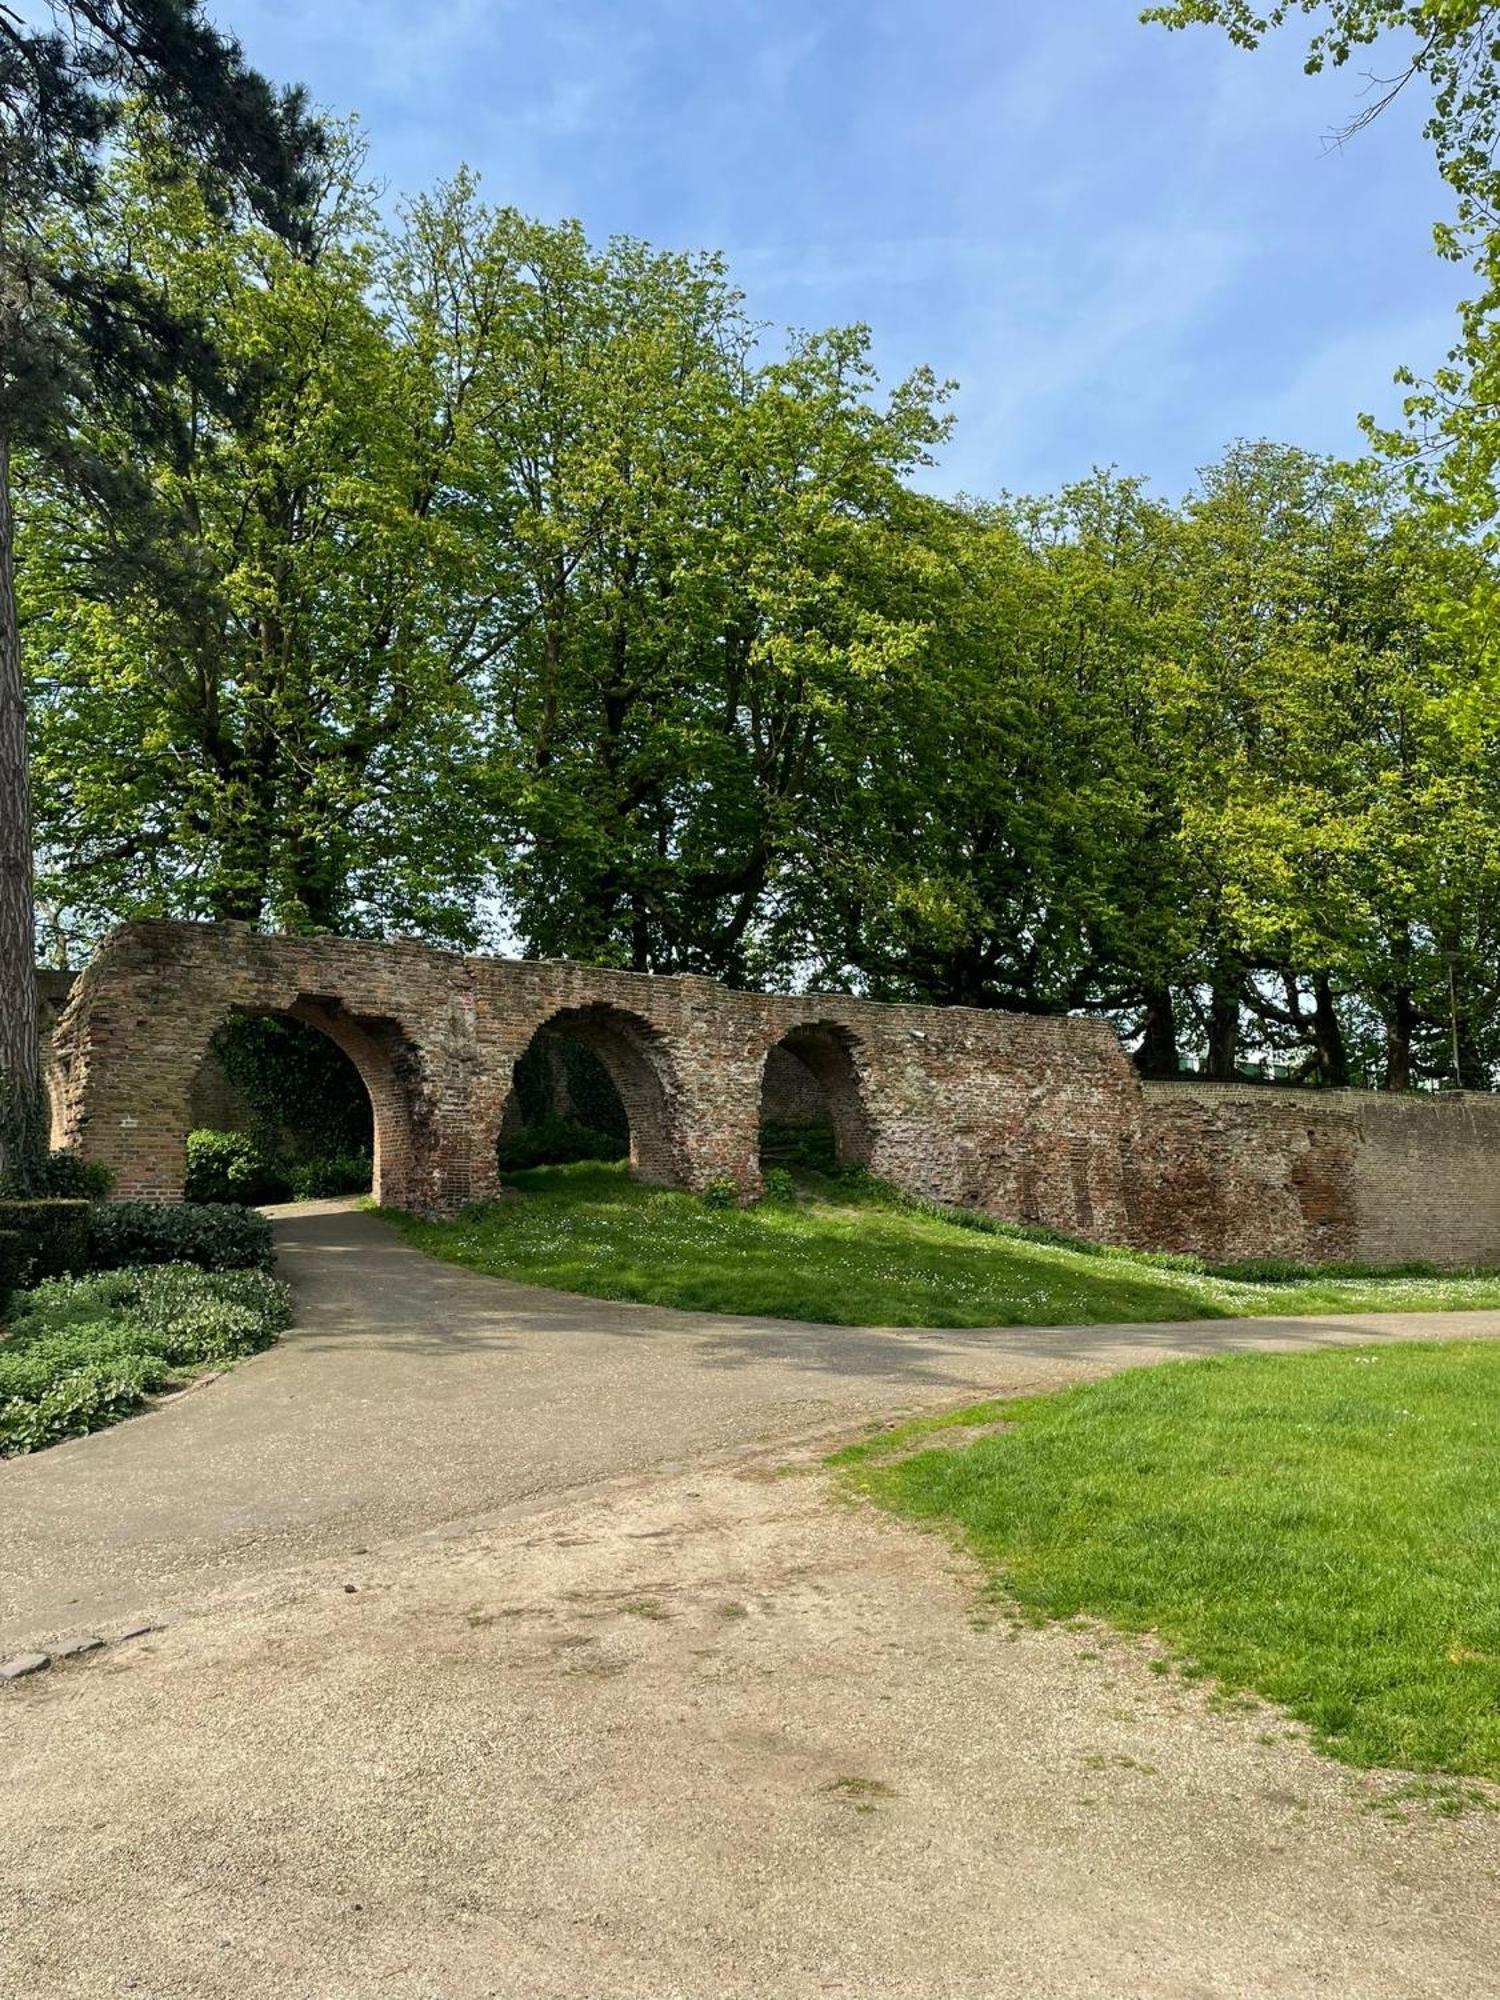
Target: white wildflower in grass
x: 863, y: 1257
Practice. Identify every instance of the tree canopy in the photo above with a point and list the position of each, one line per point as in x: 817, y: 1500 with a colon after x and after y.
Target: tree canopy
x: 440, y: 572
x: 524, y: 591
x: 80, y: 330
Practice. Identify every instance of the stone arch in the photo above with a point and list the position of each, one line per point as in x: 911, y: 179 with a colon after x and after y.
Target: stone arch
x: 140, y: 1019
x: 822, y: 1062
x: 635, y: 1057
x: 385, y: 1062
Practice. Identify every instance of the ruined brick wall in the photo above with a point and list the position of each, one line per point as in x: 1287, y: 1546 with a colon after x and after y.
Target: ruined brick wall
x: 1239, y: 1170
x: 1024, y: 1116
x: 217, y: 1104
x: 1242, y: 1170
x: 1034, y: 1119
x: 1426, y: 1177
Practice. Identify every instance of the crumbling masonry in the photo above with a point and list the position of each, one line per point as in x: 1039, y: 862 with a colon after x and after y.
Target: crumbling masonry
x: 1034, y: 1119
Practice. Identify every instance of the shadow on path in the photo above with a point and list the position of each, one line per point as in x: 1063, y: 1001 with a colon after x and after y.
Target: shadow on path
x: 411, y: 1393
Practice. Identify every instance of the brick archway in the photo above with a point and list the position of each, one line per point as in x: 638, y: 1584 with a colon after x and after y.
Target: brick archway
x: 828, y: 1056
x: 637, y: 1059
x: 140, y: 1019
x: 1026, y: 1117
x: 387, y: 1064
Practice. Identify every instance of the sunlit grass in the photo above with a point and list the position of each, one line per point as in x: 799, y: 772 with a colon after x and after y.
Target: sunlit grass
x: 853, y: 1256
x: 1322, y: 1530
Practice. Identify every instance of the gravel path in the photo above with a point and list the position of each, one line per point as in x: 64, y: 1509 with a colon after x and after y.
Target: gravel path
x: 413, y: 1394
x: 703, y: 1736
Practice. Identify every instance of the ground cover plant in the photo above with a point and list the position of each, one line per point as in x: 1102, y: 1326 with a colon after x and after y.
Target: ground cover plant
x: 852, y: 1253
x: 78, y: 1353
x: 1316, y: 1529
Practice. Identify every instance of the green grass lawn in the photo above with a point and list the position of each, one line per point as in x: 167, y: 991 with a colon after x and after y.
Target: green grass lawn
x: 1322, y: 1530
x: 856, y: 1256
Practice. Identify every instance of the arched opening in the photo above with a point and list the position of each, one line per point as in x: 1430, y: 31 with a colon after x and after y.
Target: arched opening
x: 593, y: 1083
x: 812, y: 1108
x: 296, y: 1104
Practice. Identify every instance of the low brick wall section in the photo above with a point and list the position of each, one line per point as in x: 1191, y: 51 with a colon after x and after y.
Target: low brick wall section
x: 1034, y: 1119
x: 1246, y: 1170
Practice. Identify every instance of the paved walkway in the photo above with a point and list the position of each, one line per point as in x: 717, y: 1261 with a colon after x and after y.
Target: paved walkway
x: 696, y: 1736
x: 662, y: 1736
x: 412, y: 1394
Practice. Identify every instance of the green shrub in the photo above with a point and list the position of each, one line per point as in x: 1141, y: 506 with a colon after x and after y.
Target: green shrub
x: 62, y: 1176
x: 177, y: 1311
x: 217, y: 1236
x: 232, y: 1167
x: 321, y: 1180
x: 720, y: 1194
x: 56, y: 1233
x: 777, y: 1187
x: 812, y: 1149
x: 28, y: 1370
x: 82, y: 1352
x: 558, y: 1142
x: 15, y: 1262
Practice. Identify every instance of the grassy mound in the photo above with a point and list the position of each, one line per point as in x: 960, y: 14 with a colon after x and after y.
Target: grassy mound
x: 854, y: 1256
x: 1316, y: 1528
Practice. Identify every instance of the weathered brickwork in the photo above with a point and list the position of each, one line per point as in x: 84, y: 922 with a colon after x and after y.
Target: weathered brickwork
x: 1242, y: 1171
x: 1036, y: 1119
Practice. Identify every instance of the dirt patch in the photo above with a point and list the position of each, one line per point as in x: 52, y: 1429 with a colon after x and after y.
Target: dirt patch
x: 707, y: 1736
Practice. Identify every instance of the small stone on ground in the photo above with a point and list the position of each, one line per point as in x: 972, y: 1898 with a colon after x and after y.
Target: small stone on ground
x: 73, y: 1649
x: 24, y: 1663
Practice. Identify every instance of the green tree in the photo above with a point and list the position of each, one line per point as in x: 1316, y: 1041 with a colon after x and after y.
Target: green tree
x: 1337, y: 799
x: 281, y: 728
x: 516, y: 569
x: 688, y: 537
x: 1009, y: 839
x: 69, y: 331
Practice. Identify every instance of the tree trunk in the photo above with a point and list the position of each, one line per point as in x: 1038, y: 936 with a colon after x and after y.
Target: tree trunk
x: 1399, y: 1014
x: 319, y: 876
x: 1333, y: 1053
x: 23, y: 1125
x: 1400, y: 1026
x: 1224, y: 1023
x: 1158, y: 1053
x: 640, y: 936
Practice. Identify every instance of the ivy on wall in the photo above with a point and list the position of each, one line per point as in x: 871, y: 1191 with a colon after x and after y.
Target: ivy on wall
x: 306, y: 1098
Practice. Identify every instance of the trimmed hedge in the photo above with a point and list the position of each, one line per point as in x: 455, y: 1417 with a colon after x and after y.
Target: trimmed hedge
x: 56, y: 1233
x: 217, y: 1236
x: 60, y: 1176
x: 83, y: 1352
x: 15, y: 1262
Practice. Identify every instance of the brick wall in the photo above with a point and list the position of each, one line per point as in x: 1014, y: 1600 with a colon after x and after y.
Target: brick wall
x: 1243, y: 1171
x: 1035, y: 1119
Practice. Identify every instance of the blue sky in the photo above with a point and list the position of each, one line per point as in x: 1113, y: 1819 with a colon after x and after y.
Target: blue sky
x: 1128, y: 247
